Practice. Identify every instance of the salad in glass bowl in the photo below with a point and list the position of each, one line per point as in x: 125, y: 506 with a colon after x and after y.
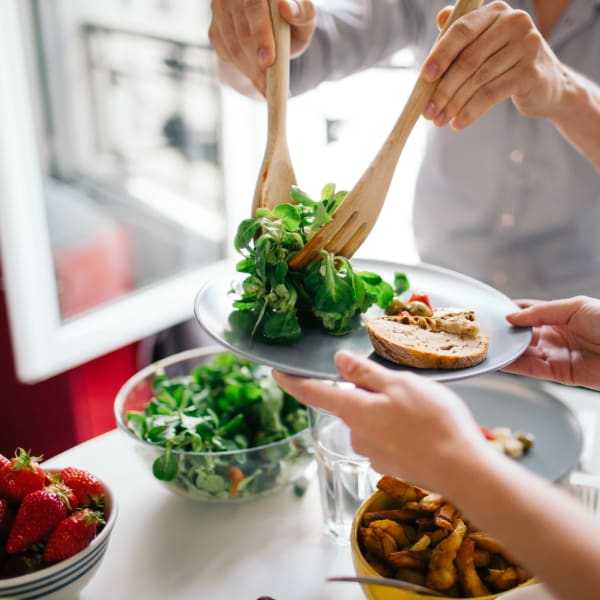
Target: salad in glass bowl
x: 215, y: 427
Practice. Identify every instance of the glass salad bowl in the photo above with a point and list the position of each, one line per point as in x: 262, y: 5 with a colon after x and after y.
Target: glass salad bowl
x: 214, y: 427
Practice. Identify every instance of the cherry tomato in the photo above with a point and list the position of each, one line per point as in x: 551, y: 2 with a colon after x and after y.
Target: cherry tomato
x: 420, y: 297
x: 487, y: 434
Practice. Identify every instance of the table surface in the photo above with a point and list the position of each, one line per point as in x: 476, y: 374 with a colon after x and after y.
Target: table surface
x: 167, y: 547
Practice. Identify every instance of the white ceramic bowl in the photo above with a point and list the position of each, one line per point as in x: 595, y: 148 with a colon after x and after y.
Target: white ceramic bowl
x: 64, y: 580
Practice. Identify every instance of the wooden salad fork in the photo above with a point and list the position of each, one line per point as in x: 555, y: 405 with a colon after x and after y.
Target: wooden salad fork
x: 355, y: 217
x: 276, y: 175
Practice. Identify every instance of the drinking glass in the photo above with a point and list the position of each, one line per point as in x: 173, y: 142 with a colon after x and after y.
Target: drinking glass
x: 345, y: 477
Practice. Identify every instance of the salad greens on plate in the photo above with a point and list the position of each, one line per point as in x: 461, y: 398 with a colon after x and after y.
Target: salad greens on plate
x: 274, y: 302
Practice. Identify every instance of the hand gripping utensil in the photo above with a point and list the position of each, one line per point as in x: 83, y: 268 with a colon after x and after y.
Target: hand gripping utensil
x: 355, y: 217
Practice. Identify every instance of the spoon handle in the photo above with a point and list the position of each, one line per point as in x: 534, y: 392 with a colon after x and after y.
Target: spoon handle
x: 388, y: 582
x: 387, y: 157
x: 278, y: 74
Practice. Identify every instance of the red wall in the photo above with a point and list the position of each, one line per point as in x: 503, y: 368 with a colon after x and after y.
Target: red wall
x: 53, y: 415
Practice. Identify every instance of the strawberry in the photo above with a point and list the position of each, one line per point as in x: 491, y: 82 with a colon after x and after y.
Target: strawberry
x: 87, y: 487
x: 72, y: 534
x: 21, y: 476
x: 22, y: 563
x: 6, y: 519
x: 4, y: 462
x: 58, y: 486
x: 39, y: 514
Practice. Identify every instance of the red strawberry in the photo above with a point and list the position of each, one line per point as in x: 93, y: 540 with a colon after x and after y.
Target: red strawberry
x: 3, y: 511
x: 21, y: 564
x: 72, y: 535
x: 65, y: 491
x: 21, y: 476
x: 4, y: 462
x: 39, y: 514
x: 7, y: 517
x: 87, y: 487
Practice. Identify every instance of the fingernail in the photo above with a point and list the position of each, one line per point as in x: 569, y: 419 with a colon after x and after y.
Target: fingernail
x: 263, y: 57
x: 430, y: 110
x: 441, y: 118
x: 345, y: 362
x: 431, y: 71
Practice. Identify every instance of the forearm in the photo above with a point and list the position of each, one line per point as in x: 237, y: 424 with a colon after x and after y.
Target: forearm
x: 355, y: 35
x: 578, y: 117
x: 546, y: 530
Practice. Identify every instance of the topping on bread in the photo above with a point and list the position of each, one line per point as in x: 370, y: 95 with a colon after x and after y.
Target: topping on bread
x: 449, y: 339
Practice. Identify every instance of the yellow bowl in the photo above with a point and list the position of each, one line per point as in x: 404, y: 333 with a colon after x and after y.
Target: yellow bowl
x: 382, y: 501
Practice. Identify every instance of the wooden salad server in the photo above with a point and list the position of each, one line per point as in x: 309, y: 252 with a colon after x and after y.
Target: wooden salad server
x: 357, y: 214
x: 276, y: 175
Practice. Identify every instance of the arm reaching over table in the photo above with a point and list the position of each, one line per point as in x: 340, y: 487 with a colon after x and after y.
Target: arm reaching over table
x: 498, y: 52
x: 566, y: 341
x: 422, y: 431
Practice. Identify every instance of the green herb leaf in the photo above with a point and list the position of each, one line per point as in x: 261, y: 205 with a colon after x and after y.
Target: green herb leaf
x: 165, y: 467
x: 401, y: 283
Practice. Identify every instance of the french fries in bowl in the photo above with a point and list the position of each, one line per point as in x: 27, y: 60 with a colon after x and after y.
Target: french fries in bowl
x: 406, y: 532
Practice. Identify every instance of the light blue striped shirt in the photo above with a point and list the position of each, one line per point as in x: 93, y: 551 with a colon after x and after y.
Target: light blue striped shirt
x: 506, y: 200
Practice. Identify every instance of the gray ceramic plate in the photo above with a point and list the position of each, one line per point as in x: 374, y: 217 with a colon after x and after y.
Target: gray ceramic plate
x: 313, y: 355
x: 502, y: 400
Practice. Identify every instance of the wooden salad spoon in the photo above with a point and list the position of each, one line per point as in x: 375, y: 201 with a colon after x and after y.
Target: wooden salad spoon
x: 355, y: 217
x: 276, y: 175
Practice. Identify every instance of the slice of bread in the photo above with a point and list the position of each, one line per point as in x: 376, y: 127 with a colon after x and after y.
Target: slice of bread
x: 450, y: 339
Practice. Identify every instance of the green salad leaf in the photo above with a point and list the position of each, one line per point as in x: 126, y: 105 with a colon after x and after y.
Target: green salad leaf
x: 279, y: 302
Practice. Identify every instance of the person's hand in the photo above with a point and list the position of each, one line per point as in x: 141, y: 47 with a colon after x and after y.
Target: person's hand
x: 565, y: 346
x: 407, y: 425
x: 241, y: 33
x: 491, y: 54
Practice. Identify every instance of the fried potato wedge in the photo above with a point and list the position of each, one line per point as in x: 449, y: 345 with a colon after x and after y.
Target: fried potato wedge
x: 467, y: 574
x: 441, y: 574
x: 401, y: 490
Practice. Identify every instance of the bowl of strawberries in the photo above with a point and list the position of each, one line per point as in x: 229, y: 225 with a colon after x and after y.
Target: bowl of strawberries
x: 55, y: 526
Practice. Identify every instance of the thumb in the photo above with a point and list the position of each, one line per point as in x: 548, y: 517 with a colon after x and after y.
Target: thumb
x: 443, y: 15
x: 362, y: 372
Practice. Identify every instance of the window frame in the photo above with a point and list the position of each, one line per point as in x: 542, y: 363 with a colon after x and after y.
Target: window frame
x: 43, y: 343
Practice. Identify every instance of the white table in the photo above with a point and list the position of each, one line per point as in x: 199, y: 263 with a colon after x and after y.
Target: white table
x: 167, y: 547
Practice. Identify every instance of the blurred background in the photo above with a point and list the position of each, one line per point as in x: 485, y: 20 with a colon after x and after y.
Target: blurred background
x: 125, y: 169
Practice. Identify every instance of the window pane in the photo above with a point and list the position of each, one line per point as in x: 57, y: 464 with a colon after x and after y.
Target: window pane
x: 134, y: 182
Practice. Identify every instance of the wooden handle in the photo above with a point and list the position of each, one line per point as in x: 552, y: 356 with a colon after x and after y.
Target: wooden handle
x: 278, y: 74
x: 421, y: 93
x: 462, y: 7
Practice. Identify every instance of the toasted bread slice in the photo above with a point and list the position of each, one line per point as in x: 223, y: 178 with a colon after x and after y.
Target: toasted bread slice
x: 450, y: 339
